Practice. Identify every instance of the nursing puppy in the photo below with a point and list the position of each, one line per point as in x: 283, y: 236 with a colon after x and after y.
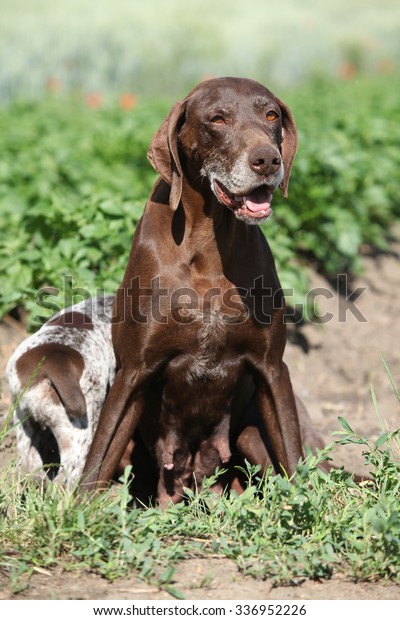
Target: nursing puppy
x: 71, y: 360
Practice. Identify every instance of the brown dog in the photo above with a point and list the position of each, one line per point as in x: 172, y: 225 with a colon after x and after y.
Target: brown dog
x: 199, y: 329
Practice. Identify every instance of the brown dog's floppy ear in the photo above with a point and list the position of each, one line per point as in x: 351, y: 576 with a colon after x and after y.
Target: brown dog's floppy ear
x: 163, y: 152
x: 289, y: 144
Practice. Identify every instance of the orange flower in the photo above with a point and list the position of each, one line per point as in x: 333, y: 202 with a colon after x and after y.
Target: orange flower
x: 93, y: 100
x: 347, y: 70
x: 54, y: 84
x: 386, y: 66
x: 128, y: 101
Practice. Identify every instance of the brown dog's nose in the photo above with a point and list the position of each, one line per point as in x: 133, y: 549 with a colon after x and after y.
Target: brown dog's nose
x: 264, y: 160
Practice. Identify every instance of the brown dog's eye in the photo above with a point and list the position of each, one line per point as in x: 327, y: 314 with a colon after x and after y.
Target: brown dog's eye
x: 217, y: 119
x: 271, y: 116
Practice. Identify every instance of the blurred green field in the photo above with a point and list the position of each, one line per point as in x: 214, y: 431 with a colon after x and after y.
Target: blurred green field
x: 160, y: 48
x: 74, y: 181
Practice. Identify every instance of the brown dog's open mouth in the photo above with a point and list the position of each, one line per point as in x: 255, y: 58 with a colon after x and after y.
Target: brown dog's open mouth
x: 256, y: 204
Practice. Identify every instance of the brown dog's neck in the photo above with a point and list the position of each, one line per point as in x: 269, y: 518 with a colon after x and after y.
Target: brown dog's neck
x: 205, y: 235
x: 208, y: 225
x: 199, y: 214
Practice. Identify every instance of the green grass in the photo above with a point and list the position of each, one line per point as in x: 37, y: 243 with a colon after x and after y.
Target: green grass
x: 74, y: 182
x: 315, y: 525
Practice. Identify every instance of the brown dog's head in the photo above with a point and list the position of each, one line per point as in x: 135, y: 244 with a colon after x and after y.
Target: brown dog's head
x: 236, y: 134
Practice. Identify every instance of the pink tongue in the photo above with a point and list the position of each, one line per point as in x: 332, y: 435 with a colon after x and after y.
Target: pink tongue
x: 258, y: 200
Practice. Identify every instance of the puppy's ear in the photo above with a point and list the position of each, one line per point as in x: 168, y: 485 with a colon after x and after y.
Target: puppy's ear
x: 289, y: 144
x: 163, y: 152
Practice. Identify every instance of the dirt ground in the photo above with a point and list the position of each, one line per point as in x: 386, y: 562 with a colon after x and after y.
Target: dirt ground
x: 331, y: 367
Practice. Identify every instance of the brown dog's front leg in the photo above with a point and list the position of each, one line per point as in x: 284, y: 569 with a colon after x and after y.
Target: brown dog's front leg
x: 120, y: 441
x: 279, y: 414
x: 118, y: 420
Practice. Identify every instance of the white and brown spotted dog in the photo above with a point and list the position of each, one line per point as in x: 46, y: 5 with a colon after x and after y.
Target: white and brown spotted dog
x: 57, y: 413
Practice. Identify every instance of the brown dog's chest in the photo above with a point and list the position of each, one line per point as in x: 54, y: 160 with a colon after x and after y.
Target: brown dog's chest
x: 204, y: 361
x: 210, y: 353
x: 200, y: 343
